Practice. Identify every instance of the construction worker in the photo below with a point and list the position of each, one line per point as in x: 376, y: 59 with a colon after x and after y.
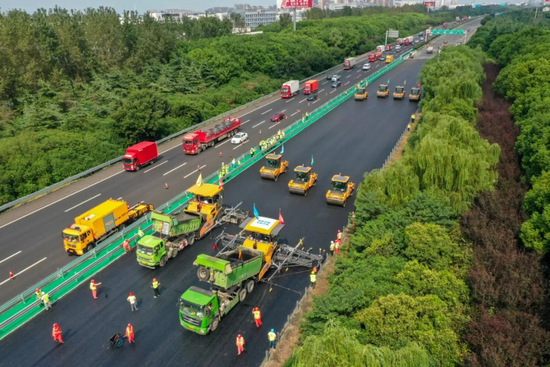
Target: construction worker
x: 93, y: 287
x: 133, y: 301
x: 240, y: 344
x: 252, y: 151
x: 272, y: 337
x: 257, y: 317
x: 56, y: 333
x: 140, y: 233
x: 337, y: 247
x: 339, y: 235
x: 130, y: 333
x: 313, y: 279
x: 46, y: 301
x: 126, y: 246
x: 413, y: 117
x: 39, y: 294
x: 155, y: 287
x: 307, y: 115
x: 233, y: 163
x: 409, y: 126
x: 332, y: 247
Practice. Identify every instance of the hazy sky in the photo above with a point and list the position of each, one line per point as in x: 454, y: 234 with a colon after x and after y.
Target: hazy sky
x: 120, y: 5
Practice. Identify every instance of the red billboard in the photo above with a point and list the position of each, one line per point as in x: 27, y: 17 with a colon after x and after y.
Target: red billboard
x: 429, y: 3
x: 299, y: 4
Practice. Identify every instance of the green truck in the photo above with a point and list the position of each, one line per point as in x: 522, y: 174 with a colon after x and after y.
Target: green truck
x: 232, y: 276
x: 180, y: 231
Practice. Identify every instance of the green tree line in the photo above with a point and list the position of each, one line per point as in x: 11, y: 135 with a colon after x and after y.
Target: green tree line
x: 77, y: 87
x: 399, y: 297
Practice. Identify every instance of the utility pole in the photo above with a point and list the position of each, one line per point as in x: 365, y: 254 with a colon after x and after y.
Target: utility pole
x: 294, y: 15
x: 386, y: 41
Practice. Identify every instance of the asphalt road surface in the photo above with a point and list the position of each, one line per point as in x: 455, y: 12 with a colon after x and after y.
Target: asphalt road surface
x: 31, y: 244
x: 353, y: 139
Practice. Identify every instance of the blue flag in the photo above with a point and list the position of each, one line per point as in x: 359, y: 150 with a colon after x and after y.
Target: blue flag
x: 256, y: 215
x: 282, y: 149
x: 312, y: 161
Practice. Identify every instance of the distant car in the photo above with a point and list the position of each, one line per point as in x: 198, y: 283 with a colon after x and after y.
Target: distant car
x: 397, y: 48
x: 277, y: 117
x: 336, y: 84
x: 383, y: 58
x: 312, y: 97
x: 329, y: 77
x: 366, y: 66
x: 239, y: 138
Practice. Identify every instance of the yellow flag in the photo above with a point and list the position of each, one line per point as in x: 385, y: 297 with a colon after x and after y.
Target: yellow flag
x: 199, y: 180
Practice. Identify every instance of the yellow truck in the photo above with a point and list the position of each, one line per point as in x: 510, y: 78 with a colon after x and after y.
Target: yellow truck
x: 304, y: 180
x: 399, y: 92
x: 342, y: 189
x: 383, y: 91
x: 389, y: 59
x: 98, y: 222
x: 274, y: 167
x: 361, y: 94
x: 415, y: 94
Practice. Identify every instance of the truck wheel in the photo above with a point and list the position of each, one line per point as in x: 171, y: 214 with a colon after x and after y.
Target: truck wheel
x: 89, y: 248
x: 175, y: 253
x: 215, y: 324
x: 191, y: 240
x: 249, y: 285
x: 242, y: 294
x: 138, y: 167
x: 275, y: 178
x: 162, y: 261
x: 305, y: 192
x: 202, y: 273
x: 344, y: 203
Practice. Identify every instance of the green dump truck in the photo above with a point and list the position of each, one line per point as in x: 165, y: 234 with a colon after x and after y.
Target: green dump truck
x: 232, y: 276
x: 176, y: 231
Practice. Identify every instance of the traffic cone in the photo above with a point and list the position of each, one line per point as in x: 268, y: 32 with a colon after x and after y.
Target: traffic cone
x: 260, y: 132
x: 221, y: 155
x: 198, y: 167
x: 11, y: 275
x: 166, y: 185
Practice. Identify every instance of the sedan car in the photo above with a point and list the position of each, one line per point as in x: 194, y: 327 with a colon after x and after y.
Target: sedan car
x: 239, y: 138
x: 366, y: 66
x: 312, y: 97
x: 397, y: 48
x: 336, y: 84
x: 277, y: 117
x: 383, y: 58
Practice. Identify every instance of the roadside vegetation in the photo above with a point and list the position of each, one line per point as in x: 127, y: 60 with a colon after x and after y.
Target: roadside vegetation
x: 76, y: 87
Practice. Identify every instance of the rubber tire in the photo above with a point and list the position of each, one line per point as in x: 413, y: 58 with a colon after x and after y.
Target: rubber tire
x: 215, y: 324
x: 191, y: 241
x: 344, y: 204
x: 176, y: 252
x: 138, y: 168
x: 242, y: 294
x: 305, y: 192
x: 203, y: 274
x: 163, y: 261
x: 249, y: 286
x: 275, y: 178
x: 89, y: 248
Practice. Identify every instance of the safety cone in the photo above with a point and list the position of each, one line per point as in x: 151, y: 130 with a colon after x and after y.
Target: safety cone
x: 11, y: 275
x: 260, y: 132
x: 166, y: 185
x: 198, y: 167
x: 221, y: 155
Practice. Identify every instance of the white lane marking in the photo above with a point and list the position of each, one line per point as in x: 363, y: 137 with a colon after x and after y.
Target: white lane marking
x: 290, y: 100
x: 358, y: 71
x: 346, y: 83
x: 164, y: 151
x: 324, y: 83
x: 258, y: 124
x: 321, y: 90
x: 63, y: 198
x: 240, y: 145
x: 263, y: 113
x: 334, y: 90
x: 294, y: 113
x: 225, y: 142
x: 256, y: 109
x: 173, y: 169
x: 24, y: 270
x: 245, y: 122
x: 9, y: 257
x: 272, y: 126
x: 84, y: 202
x: 348, y: 76
x: 315, y: 101
x: 195, y: 171
x: 283, y: 111
x: 302, y: 100
x: 156, y: 166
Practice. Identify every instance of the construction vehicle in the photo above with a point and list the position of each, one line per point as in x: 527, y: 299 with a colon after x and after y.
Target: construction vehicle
x: 203, y: 213
x: 274, y: 167
x: 389, y: 59
x: 198, y: 141
x: 233, y: 273
x: 415, y: 94
x: 373, y: 56
x: 383, y: 91
x: 304, y: 180
x: 361, y: 94
x: 311, y: 86
x: 399, y: 92
x: 99, y: 222
x: 342, y: 189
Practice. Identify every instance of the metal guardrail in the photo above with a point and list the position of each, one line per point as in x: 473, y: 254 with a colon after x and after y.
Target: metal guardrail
x: 73, y: 274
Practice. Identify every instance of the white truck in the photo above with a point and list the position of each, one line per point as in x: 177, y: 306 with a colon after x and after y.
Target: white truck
x: 380, y: 48
x: 290, y: 89
x: 430, y: 49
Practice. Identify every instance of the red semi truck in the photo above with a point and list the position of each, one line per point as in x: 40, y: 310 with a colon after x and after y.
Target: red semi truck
x: 197, y: 141
x: 311, y: 86
x: 373, y: 56
x: 139, y: 155
x: 290, y: 89
x: 407, y: 41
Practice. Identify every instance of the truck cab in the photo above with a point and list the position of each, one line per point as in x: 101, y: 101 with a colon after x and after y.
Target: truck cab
x: 399, y: 92
x: 274, y: 167
x: 191, y: 143
x: 198, y: 310
x: 78, y: 239
x: 304, y: 180
x: 415, y: 94
x: 341, y: 190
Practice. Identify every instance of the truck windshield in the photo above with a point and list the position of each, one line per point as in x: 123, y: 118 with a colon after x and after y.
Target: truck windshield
x: 191, y: 309
x: 284, y: 90
x: 272, y: 163
x: 128, y: 160
x: 144, y: 250
x: 188, y: 142
x: 414, y: 92
x: 383, y: 88
x: 399, y: 90
x: 301, y: 176
x: 70, y: 238
x: 338, y: 186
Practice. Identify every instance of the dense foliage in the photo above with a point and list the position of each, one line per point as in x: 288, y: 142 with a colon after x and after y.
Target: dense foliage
x: 399, y: 297
x: 525, y: 56
x: 76, y: 88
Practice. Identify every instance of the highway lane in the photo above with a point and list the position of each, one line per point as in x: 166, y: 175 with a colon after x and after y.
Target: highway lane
x: 352, y: 139
x: 38, y: 236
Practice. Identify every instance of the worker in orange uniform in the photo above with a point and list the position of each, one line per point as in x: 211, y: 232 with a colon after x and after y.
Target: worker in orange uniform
x: 56, y: 333
x: 126, y: 246
x: 240, y: 344
x: 257, y: 317
x: 339, y: 235
x: 130, y: 333
x: 93, y: 287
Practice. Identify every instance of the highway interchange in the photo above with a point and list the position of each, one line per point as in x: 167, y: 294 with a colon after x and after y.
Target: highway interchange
x: 353, y: 139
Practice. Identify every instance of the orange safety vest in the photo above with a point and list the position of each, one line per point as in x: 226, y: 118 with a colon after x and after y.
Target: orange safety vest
x: 257, y: 315
x: 240, y: 341
x: 129, y: 330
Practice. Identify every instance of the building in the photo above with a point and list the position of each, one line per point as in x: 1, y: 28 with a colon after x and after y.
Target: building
x: 254, y: 19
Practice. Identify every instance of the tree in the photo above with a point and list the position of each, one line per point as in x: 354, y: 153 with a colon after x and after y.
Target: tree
x: 285, y: 20
x: 238, y: 20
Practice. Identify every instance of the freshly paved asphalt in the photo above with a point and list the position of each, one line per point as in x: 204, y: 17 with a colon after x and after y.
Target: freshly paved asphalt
x: 353, y: 139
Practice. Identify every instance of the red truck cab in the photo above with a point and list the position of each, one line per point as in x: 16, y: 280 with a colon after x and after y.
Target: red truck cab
x: 139, y: 155
x: 311, y: 86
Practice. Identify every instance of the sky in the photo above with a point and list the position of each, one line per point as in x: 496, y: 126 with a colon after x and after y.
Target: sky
x: 120, y: 5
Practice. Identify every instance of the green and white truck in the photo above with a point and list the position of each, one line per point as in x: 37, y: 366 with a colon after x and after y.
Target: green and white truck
x: 232, y: 276
x: 180, y: 231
